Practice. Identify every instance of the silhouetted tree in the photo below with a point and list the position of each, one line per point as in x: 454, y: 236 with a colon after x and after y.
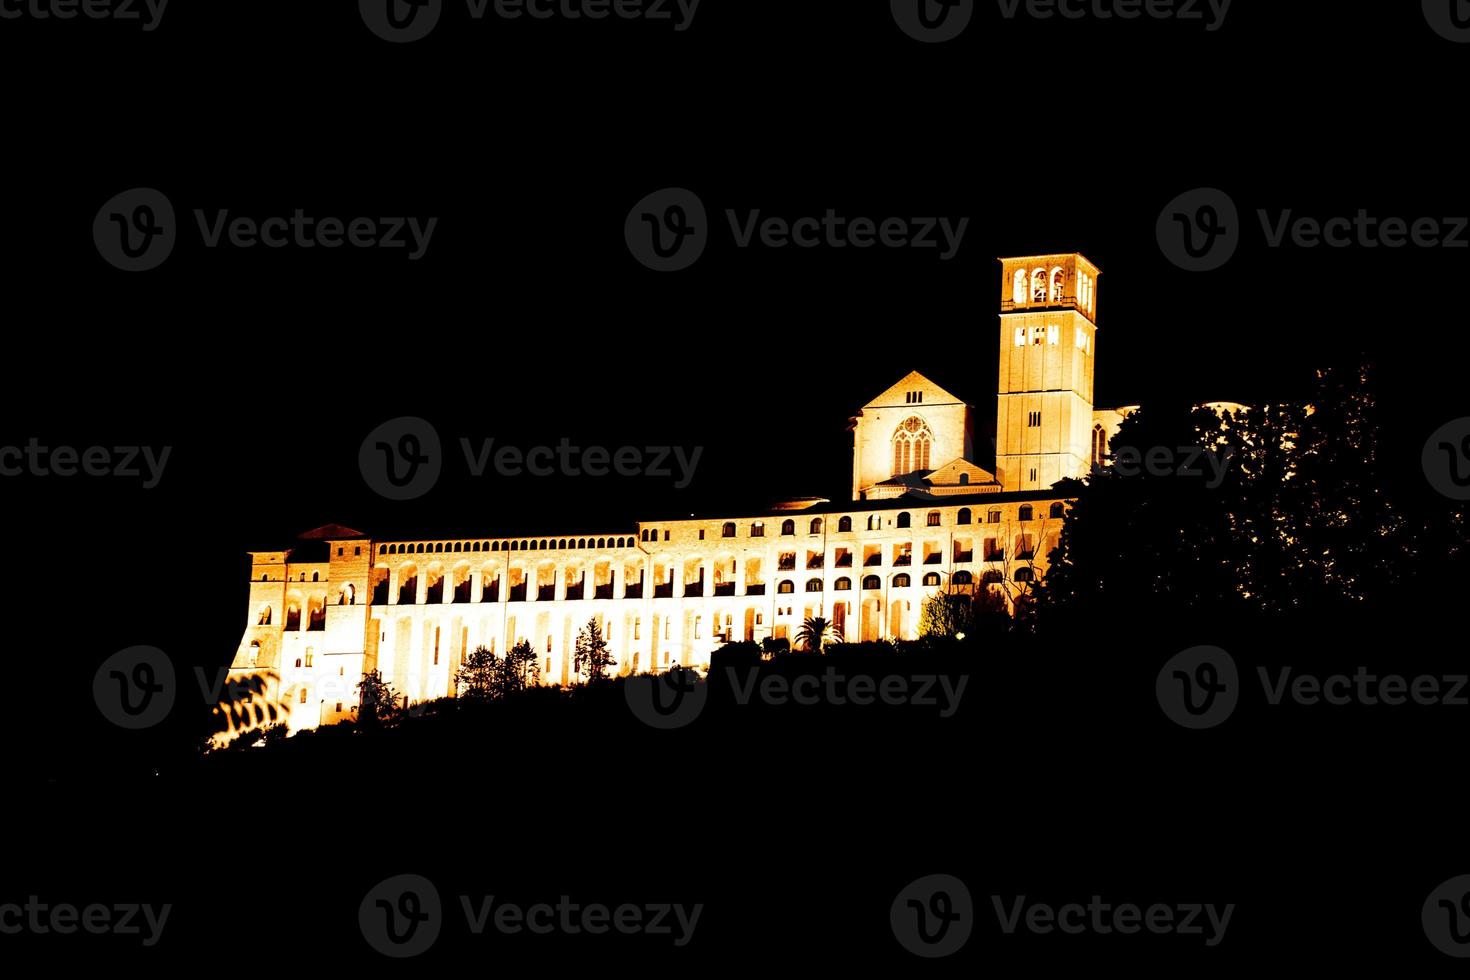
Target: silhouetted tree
x: 1293, y: 514
x: 377, y: 702
x: 814, y: 633
x: 475, y: 680
x: 517, y: 671
x: 590, y: 657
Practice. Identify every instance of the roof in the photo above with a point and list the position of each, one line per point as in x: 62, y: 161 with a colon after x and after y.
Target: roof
x: 909, y: 501
x: 330, y: 532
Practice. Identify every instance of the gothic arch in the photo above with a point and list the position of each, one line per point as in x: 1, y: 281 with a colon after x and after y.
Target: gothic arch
x: 912, y: 442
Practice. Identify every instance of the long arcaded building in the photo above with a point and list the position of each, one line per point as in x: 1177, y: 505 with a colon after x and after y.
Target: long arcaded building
x: 924, y: 516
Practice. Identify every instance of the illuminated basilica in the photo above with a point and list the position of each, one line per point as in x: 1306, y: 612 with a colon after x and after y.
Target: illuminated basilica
x: 924, y: 516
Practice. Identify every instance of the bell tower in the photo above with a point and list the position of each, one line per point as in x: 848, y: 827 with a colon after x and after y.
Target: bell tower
x: 1048, y: 341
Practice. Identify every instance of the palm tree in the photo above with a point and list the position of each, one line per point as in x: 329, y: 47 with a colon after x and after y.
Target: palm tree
x: 814, y: 634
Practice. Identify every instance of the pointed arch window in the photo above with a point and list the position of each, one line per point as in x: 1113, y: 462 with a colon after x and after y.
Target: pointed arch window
x: 912, y: 442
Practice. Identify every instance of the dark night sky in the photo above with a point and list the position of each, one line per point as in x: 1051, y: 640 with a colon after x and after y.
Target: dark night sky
x: 529, y: 321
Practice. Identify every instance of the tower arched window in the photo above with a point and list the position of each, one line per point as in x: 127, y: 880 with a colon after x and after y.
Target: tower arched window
x: 1038, y: 286
x: 1058, y: 282
x: 1018, y: 288
x: 1099, y: 444
x: 912, y: 441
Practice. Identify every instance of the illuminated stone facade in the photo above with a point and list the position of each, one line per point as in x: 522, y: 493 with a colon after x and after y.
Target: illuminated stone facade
x: 924, y: 516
